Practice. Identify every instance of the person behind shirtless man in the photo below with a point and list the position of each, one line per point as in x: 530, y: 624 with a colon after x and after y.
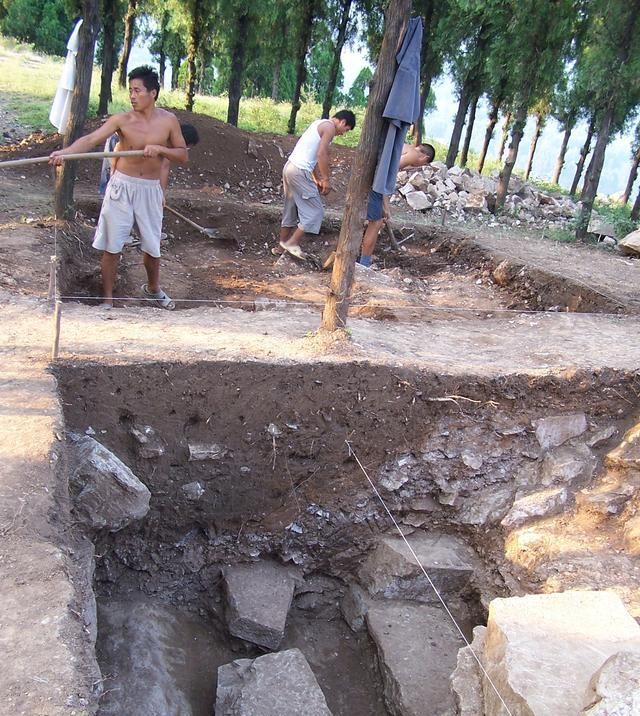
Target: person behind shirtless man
x: 134, y: 192
x: 378, y: 206
x: 305, y: 177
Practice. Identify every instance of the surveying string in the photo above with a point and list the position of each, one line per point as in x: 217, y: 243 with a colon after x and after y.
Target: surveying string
x: 424, y: 571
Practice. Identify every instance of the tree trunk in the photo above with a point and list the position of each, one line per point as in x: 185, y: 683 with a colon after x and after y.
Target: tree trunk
x: 633, y: 175
x: 418, y: 127
x: 195, y: 42
x: 488, y: 135
x: 426, y: 70
x: 176, y: 61
x: 562, y: 153
x: 508, y: 119
x: 309, y: 12
x: 540, y: 120
x: 275, y: 82
x: 66, y: 174
x: 162, y: 53
x: 364, y: 163
x: 237, y: 69
x: 592, y: 177
x: 129, y: 32
x: 108, y: 55
x: 463, y: 106
x: 584, y: 151
x: 335, y: 64
x: 635, y: 211
x: 519, y: 121
x: 467, y: 137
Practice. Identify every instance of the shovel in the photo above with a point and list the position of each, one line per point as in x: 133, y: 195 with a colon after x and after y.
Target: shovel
x: 211, y: 233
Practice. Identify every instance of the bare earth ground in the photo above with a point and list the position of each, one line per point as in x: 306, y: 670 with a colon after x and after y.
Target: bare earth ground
x: 435, y: 305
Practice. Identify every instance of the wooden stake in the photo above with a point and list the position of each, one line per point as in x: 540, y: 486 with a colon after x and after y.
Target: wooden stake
x: 67, y: 157
x: 56, y: 330
x: 53, y: 262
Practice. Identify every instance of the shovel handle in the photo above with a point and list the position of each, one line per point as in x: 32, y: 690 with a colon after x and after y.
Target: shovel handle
x: 81, y: 155
x: 185, y: 219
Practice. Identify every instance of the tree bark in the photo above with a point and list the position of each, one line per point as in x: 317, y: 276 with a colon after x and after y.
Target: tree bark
x: 418, y: 126
x: 464, y: 155
x: 540, y: 120
x: 176, y: 61
x: 635, y: 210
x: 195, y: 41
x: 309, y: 12
x: 519, y: 121
x: 508, y: 119
x: 463, y: 107
x: 337, y: 304
x: 633, y: 175
x: 108, y: 55
x: 426, y: 70
x: 335, y: 64
x: 129, y: 32
x: 275, y: 82
x: 66, y: 174
x: 562, y: 153
x: 488, y: 135
x: 237, y: 68
x: 584, y: 151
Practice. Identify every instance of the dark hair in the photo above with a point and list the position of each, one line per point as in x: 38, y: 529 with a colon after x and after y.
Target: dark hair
x: 428, y: 150
x: 348, y: 116
x: 190, y: 134
x: 148, y: 76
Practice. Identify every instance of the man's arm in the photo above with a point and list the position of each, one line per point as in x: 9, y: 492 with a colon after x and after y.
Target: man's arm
x: 89, y: 141
x: 165, y: 168
x: 327, y: 132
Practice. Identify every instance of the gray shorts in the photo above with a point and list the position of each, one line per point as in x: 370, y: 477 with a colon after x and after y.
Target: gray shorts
x: 128, y: 199
x: 302, y: 203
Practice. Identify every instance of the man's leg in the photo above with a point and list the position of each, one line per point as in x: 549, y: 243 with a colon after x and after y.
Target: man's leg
x: 369, y: 241
x: 293, y: 239
x: 152, y: 267
x: 109, y: 267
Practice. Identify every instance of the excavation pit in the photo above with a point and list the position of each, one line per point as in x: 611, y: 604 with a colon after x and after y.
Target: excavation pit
x: 256, y: 463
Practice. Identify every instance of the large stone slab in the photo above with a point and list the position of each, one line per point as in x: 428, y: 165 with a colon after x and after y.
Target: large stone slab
x: 538, y: 504
x: 417, y: 649
x: 258, y: 600
x: 466, y: 680
x: 565, y: 464
x: 541, y: 650
x: 106, y: 494
x: 630, y: 245
x: 279, y: 684
x: 391, y: 571
x: 557, y: 429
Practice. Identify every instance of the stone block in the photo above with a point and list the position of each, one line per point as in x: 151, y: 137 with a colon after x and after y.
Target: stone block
x: 557, y: 429
x: 630, y: 245
x: 539, y: 504
x: 280, y: 684
x: 632, y: 536
x: 486, y: 506
x: 604, y: 501
x: 615, y: 688
x: 466, y: 680
x: 259, y: 596
x: 392, y: 572
x: 567, y: 464
x: 407, y: 189
x: 541, y: 650
x: 627, y: 454
x: 354, y: 606
x: 150, y: 444
x: 419, y: 201
x: 600, y: 227
x: 106, y: 494
x: 206, y: 451
x: 417, y: 648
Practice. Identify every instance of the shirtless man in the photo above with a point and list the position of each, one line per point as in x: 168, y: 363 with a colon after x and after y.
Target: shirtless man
x: 305, y: 177
x: 378, y: 206
x: 134, y: 192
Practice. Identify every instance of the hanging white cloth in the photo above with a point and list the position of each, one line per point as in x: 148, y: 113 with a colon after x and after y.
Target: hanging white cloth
x: 61, y: 106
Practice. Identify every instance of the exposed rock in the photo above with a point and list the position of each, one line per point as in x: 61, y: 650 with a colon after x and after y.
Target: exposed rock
x: 600, y: 227
x: 206, y: 451
x: 504, y: 273
x: 279, y: 684
x: 567, y: 464
x: 604, y: 501
x: 555, y: 430
x: 632, y: 536
x: 397, y: 472
x: 407, y: 189
x: 627, y: 454
x: 354, y: 606
x: 538, y: 504
x: 417, y: 647
x: 391, y: 571
x: 258, y: 600
x: 486, y: 506
x: 149, y: 442
x: 193, y: 490
x: 418, y: 201
x: 106, y: 494
x: 615, y: 688
x: 466, y: 680
x: 630, y: 245
x: 418, y: 180
x: 541, y: 650
x: 601, y: 436
x: 475, y: 202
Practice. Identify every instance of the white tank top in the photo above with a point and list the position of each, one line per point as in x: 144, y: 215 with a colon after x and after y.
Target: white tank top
x: 305, y: 153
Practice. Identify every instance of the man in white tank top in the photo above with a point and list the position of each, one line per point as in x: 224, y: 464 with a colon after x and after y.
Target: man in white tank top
x: 305, y: 177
